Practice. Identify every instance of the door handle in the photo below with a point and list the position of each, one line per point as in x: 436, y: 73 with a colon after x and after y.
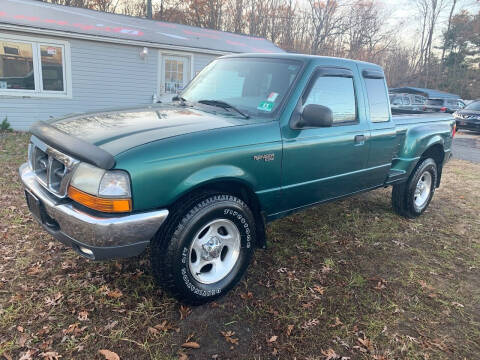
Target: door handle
x: 359, y: 139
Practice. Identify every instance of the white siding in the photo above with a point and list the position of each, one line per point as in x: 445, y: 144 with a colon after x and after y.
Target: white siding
x: 104, y: 76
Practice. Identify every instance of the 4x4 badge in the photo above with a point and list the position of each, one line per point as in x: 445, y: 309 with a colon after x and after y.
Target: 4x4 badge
x: 264, y: 157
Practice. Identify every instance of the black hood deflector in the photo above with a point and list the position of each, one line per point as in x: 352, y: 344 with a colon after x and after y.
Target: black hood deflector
x: 73, y: 146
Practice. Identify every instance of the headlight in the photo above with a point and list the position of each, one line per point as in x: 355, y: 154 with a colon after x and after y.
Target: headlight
x: 102, y: 190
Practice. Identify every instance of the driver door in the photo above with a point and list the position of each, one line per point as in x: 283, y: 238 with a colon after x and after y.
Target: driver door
x: 329, y: 162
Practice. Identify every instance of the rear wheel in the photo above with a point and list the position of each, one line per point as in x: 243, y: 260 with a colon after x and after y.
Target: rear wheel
x: 204, y: 248
x: 411, y: 199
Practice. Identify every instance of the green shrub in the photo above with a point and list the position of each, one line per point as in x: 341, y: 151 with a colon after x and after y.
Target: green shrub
x: 5, y: 125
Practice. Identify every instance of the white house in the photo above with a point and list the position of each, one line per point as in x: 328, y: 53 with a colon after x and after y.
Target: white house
x: 56, y: 60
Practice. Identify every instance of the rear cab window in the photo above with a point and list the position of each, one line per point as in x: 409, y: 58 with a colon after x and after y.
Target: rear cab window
x: 377, y: 96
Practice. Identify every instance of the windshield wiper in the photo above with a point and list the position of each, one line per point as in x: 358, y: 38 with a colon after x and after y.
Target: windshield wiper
x: 179, y: 98
x: 224, y: 105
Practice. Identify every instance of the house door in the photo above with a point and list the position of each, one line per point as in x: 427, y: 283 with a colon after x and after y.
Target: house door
x: 175, y: 75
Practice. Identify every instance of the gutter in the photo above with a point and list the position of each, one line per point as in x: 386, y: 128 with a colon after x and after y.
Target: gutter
x: 72, y: 35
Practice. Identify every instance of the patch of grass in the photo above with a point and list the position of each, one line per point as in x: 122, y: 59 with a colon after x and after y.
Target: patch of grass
x: 330, y: 276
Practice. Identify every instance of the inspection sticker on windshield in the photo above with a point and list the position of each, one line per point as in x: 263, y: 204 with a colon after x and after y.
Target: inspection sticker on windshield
x: 265, y: 106
x: 272, y: 97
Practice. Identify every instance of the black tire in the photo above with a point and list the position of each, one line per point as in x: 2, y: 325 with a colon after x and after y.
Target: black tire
x: 403, y: 195
x: 170, y: 250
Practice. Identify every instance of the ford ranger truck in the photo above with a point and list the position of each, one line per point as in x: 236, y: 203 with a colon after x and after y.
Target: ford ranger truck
x: 251, y: 139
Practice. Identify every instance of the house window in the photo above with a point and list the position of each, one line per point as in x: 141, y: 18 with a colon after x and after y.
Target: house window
x: 52, y: 68
x: 33, y: 68
x: 16, y: 66
x: 176, y: 73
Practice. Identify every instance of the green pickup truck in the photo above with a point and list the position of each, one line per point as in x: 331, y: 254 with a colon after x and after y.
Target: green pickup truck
x: 251, y: 139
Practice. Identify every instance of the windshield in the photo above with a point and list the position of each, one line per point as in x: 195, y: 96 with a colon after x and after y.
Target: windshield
x: 473, y: 106
x: 255, y: 86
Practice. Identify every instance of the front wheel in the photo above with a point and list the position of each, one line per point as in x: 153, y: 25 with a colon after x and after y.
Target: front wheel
x: 411, y: 199
x: 204, y: 248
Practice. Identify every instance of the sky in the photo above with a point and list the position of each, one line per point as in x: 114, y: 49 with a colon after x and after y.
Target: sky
x: 404, y: 12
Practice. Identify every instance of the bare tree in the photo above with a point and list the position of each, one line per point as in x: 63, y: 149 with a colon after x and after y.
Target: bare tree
x: 325, y: 23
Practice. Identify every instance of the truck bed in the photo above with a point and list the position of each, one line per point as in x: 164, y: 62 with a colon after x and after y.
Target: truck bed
x: 404, y: 119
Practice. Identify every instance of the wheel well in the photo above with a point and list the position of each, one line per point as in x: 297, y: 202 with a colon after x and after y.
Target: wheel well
x: 243, y: 192
x: 436, y: 153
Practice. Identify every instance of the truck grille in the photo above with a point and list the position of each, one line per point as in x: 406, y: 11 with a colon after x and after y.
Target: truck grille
x: 52, y: 168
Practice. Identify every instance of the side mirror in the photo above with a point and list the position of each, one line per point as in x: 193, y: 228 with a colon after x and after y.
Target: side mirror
x: 316, y: 116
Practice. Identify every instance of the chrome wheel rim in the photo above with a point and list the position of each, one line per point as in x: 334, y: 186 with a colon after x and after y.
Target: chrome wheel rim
x: 422, y: 190
x: 214, y: 251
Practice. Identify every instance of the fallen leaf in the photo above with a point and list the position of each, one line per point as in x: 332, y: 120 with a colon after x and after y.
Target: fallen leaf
x: 319, y: 289
x: 22, y: 340
x: 111, y: 325
x: 307, y: 305
x: 152, y: 331
x: 229, y: 337
x: 454, y: 303
x: 191, y: 345
x: 73, y: 329
x: 55, y: 300
x: 366, y: 343
x: 272, y: 339
x: 310, y: 323
x: 380, y: 285
x: 109, y: 355
x: 182, y: 356
x: 50, y: 355
x: 329, y: 354
x: 184, y: 312
x: 46, y: 344
x: 34, y: 270
x: 337, y: 322
x: 290, y: 329
x: 246, y: 296
x: 115, y: 294
x: 83, y: 315
x: 164, y: 326
x: 28, y: 355
x: 20, y: 328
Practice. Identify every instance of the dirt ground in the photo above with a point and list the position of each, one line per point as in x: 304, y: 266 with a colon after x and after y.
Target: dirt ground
x: 347, y: 280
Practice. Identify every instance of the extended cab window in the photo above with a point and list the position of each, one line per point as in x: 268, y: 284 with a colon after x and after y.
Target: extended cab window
x: 377, y: 100
x: 336, y: 93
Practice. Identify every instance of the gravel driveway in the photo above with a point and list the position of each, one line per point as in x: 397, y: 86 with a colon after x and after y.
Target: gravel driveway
x: 466, y: 146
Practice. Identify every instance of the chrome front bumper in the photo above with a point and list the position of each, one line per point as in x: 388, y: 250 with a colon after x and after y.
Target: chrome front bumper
x: 96, y: 237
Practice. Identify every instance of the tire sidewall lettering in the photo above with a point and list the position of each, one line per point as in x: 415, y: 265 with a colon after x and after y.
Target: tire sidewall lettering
x: 216, y: 289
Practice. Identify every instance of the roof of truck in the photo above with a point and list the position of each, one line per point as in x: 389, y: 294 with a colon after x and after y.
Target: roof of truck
x: 21, y: 15
x: 305, y: 57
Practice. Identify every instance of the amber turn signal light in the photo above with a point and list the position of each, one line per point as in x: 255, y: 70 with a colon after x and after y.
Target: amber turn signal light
x: 99, y: 204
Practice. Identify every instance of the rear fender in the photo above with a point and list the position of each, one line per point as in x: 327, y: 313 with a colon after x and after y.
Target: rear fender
x: 417, y: 141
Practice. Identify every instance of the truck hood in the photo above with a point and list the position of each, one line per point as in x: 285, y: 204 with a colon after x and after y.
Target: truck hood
x: 120, y: 130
